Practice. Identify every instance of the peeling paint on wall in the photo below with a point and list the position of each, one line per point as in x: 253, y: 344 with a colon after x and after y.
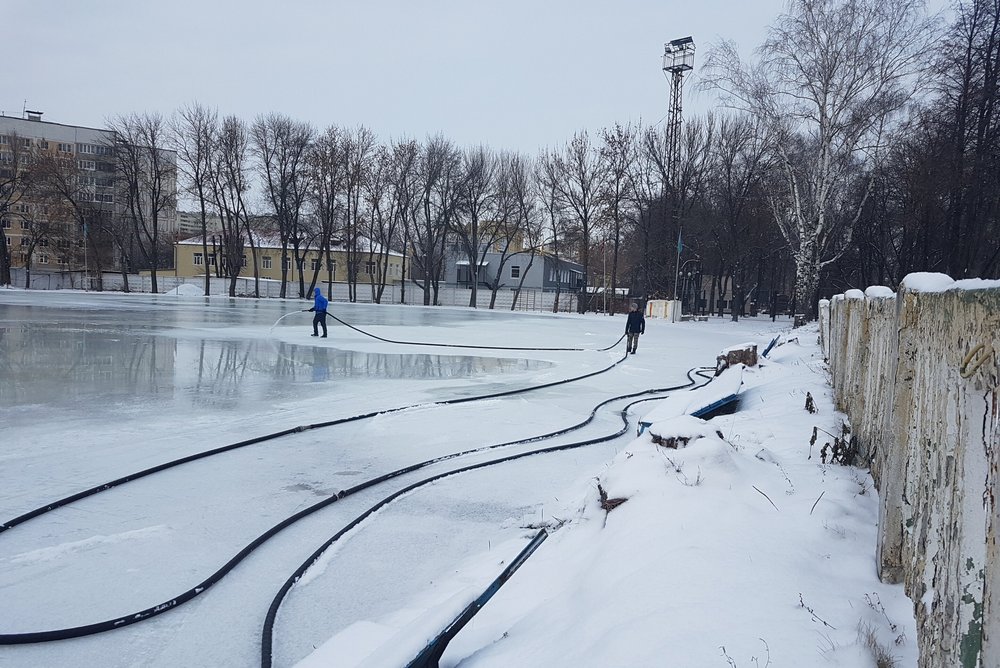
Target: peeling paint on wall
x: 917, y: 375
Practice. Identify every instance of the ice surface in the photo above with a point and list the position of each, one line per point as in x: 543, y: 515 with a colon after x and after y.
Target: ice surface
x: 97, y: 386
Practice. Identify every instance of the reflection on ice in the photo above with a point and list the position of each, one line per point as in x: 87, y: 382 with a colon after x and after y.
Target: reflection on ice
x: 62, y: 364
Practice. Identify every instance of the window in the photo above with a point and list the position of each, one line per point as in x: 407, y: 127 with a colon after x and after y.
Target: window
x: 198, y: 259
x: 65, y: 148
x: 22, y: 208
x: 63, y: 243
x: 266, y: 262
x: 9, y: 241
x: 286, y: 264
x: 88, y: 165
x: 25, y: 241
x: 369, y: 268
x: 25, y: 224
x: 43, y: 242
x: 44, y: 145
x: 244, y: 260
x: 105, y: 197
x: 25, y: 143
x: 314, y: 263
x: 331, y: 267
x: 4, y: 139
x: 88, y: 149
x: 63, y: 260
x: 43, y: 259
x: 515, y: 271
x: 85, y: 180
x: 5, y: 223
x: 211, y: 259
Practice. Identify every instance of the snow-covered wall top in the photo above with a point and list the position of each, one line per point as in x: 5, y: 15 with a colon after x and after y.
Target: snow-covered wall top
x: 879, y: 291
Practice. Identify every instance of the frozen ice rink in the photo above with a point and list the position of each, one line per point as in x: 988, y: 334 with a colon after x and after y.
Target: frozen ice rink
x: 97, y: 386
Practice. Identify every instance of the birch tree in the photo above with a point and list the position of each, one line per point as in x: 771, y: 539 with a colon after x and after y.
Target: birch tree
x: 827, y: 81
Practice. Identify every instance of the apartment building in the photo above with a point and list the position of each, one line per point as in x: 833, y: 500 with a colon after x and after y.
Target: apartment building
x: 43, y: 225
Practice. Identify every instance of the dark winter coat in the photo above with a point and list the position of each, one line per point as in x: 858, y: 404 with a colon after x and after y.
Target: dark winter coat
x: 320, y: 302
x: 636, y: 323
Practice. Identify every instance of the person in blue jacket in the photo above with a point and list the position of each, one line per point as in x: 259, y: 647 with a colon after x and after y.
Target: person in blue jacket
x: 634, y: 326
x: 319, y: 308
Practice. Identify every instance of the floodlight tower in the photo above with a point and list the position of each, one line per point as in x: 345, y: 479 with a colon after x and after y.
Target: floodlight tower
x: 678, y: 60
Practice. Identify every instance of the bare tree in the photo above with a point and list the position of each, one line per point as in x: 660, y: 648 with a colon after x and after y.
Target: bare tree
x: 195, y: 130
x: 618, y: 153
x: 828, y: 80
x: 16, y: 183
x: 647, y: 212
x: 230, y: 187
x: 523, y: 220
x: 579, y: 182
x: 388, y: 194
x: 359, y: 147
x: 88, y: 201
x: 476, y: 195
x: 437, y: 197
x: 327, y: 162
x: 281, y: 145
x: 737, y: 204
x: 148, y: 172
x: 679, y: 198
x: 547, y: 177
x: 406, y: 186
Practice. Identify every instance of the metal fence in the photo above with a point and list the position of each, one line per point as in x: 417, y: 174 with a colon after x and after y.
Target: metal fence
x: 530, y: 299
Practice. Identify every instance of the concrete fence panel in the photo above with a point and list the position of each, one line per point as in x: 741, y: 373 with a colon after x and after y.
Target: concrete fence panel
x: 917, y: 375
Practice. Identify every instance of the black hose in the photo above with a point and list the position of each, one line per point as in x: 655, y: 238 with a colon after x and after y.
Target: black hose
x: 456, y: 345
x: 31, y: 514
x: 132, y: 618
x: 268, y: 630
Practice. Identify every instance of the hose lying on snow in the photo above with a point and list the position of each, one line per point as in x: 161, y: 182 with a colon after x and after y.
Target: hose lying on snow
x: 173, y: 602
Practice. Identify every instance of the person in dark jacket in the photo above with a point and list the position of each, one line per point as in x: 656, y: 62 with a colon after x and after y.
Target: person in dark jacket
x: 319, y: 308
x: 634, y: 326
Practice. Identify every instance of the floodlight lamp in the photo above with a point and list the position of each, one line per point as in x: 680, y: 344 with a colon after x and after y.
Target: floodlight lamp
x: 678, y: 55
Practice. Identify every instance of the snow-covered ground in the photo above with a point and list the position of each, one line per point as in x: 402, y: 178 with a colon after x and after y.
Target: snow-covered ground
x: 736, y: 550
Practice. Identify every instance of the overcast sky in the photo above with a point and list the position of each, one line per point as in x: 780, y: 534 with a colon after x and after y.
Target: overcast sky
x: 513, y: 74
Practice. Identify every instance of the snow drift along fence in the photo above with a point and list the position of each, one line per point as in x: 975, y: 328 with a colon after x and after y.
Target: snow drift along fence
x: 917, y: 374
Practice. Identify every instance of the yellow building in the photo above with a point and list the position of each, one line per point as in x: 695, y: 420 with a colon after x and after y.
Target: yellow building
x: 190, y: 261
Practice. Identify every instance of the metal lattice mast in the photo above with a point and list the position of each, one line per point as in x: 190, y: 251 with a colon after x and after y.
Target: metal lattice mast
x: 678, y: 60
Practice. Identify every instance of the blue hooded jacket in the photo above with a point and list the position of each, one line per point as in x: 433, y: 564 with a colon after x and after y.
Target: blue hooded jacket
x: 320, y: 302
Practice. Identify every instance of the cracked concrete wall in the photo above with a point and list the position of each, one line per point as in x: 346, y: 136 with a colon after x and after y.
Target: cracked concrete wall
x: 917, y: 375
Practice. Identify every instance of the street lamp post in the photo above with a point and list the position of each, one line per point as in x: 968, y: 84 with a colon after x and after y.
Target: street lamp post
x: 680, y: 273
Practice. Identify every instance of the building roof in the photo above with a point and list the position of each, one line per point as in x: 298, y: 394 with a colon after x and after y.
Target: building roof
x: 272, y: 241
